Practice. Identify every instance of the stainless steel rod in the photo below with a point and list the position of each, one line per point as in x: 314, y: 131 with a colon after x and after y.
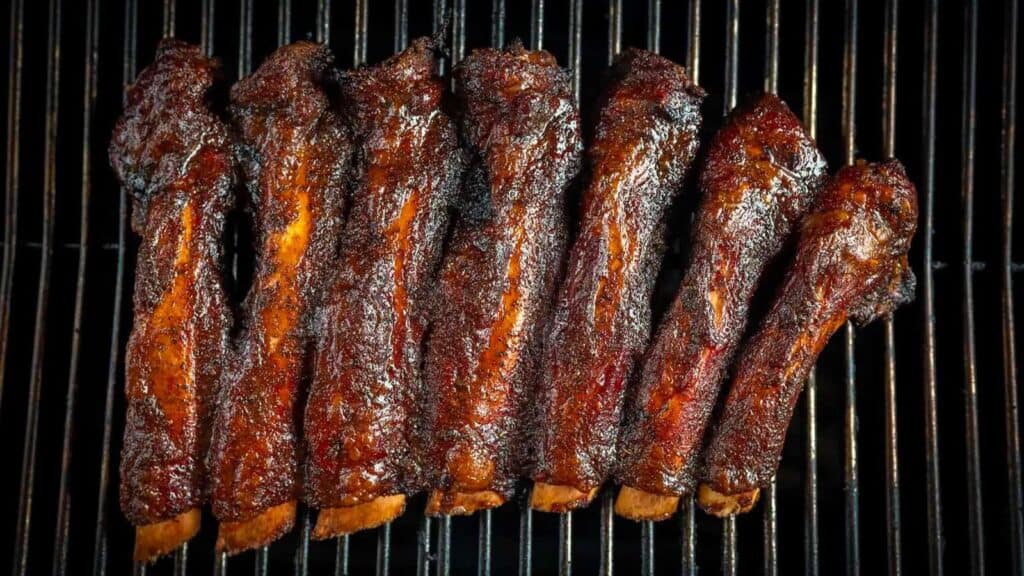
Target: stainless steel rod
x: 931, y: 407
x: 976, y: 527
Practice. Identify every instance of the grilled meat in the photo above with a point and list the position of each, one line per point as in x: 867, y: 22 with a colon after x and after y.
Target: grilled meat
x: 499, y: 275
x: 646, y: 139
x: 761, y: 175
x: 295, y: 153
x: 851, y: 261
x: 361, y: 416
x: 174, y: 157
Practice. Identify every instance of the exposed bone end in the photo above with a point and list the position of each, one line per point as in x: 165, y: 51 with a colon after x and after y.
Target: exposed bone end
x: 334, y: 522
x: 638, y: 505
x: 154, y: 540
x: 723, y: 505
x: 559, y: 498
x: 462, y: 503
x: 269, y: 525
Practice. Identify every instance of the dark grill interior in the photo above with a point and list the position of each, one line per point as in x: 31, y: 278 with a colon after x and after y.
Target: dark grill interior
x: 904, y: 454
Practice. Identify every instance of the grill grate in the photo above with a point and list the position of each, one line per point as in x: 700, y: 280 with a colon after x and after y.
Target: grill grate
x: 43, y: 264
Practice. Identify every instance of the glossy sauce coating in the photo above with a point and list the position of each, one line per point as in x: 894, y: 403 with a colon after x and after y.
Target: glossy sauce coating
x: 365, y: 396
x: 761, y: 175
x: 851, y: 261
x: 295, y: 153
x: 174, y: 157
x: 499, y: 275
x: 646, y: 139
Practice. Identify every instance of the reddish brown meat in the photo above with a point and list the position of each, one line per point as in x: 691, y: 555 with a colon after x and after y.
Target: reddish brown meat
x: 646, y: 139
x: 851, y: 261
x: 364, y: 399
x: 499, y: 275
x: 761, y: 175
x: 295, y: 153
x: 174, y: 157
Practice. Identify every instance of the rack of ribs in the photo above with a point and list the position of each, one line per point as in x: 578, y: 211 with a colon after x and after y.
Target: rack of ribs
x: 761, y: 175
x: 851, y: 262
x: 295, y: 154
x: 361, y: 415
x: 499, y: 274
x: 174, y: 156
x: 646, y: 139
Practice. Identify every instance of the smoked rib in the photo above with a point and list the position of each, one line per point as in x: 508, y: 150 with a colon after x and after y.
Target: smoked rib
x: 851, y: 261
x: 174, y: 157
x: 646, y: 139
x: 295, y: 153
x: 498, y: 278
x: 361, y: 417
x: 761, y: 175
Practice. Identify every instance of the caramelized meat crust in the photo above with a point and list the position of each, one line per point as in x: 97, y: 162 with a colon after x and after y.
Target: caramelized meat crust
x: 851, y: 261
x: 761, y: 175
x: 174, y: 157
x: 499, y: 275
x: 645, y: 141
x: 360, y: 418
x: 295, y: 153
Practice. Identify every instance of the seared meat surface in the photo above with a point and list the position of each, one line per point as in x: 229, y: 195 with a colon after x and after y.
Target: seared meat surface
x: 499, y: 275
x: 761, y: 175
x: 645, y: 141
x: 851, y: 262
x: 361, y: 418
x: 174, y: 156
x: 295, y: 153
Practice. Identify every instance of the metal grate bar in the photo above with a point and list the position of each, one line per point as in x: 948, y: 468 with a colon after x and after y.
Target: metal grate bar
x: 931, y: 409
x: 444, y: 545
x: 851, y: 482
x: 688, y: 557
x: 607, y: 563
x: 341, y: 557
x: 170, y: 11
x: 974, y: 501
x: 892, y: 476
x: 28, y: 463
x: 1013, y: 456
x: 483, y: 555
x: 359, y: 34
x: 771, y: 85
x: 565, y: 544
x: 12, y: 182
x: 729, y: 560
x: 128, y: 66
x: 323, y: 21
x: 537, y: 24
x: 525, y: 541
x: 654, y: 26
x: 63, y: 522
x: 423, y: 547
x: 647, y: 548
x: 401, y: 25
x: 206, y: 26
x: 732, y: 32
x: 810, y: 114
x: 284, y: 22
x: 497, y: 23
x: 575, y: 38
